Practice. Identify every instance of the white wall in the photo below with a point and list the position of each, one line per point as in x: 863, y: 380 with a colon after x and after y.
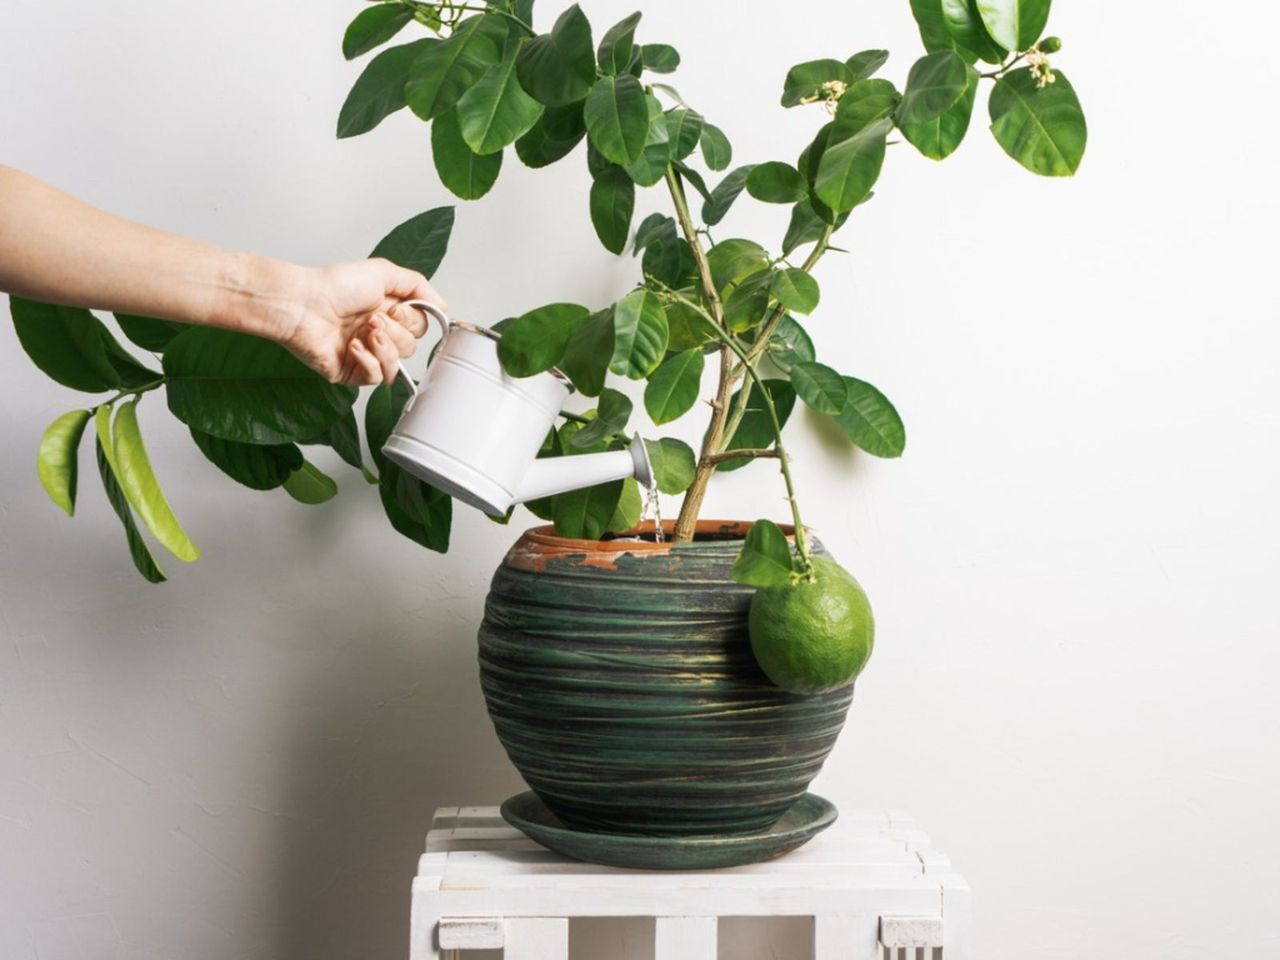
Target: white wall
x: 1073, y: 567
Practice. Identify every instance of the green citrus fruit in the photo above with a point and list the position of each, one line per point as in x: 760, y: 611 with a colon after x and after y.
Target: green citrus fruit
x: 812, y: 637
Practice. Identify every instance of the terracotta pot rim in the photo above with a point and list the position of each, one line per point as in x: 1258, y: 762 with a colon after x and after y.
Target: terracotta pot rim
x: 544, y: 539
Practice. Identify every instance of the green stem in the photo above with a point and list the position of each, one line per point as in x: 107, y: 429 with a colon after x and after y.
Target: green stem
x: 133, y: 392
x: 439, y: 8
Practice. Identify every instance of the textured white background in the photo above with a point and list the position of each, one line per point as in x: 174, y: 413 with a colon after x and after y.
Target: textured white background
x: 1073, y: 567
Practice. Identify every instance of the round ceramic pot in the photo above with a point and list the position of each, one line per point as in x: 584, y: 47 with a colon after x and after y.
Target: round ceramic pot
x: 620, y: 679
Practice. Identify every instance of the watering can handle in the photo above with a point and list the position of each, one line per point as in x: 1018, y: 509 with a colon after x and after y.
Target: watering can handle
x: 432, y: 312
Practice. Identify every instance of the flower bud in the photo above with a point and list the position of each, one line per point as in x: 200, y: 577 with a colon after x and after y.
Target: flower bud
x: 1050, y: 45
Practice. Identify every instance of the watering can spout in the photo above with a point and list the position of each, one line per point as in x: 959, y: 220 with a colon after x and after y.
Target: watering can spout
x: 548, y: 477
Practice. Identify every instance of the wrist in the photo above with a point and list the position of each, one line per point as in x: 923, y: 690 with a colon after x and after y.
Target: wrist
x: 259, y: 296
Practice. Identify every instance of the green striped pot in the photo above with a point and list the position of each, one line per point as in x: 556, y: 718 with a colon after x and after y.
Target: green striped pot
x: 621, y: 682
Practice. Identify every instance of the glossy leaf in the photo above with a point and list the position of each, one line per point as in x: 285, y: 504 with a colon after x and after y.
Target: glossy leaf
x: 655, y: 228
x: 725, y: 193
x: 795, y: 289
x: 537, y: 340
x: 850, y: 168
x: 373, y: 27
x: 379, y: 91
x: 660, y: 57
x: 934, y: 85
x: 805, y: 227
x: 755, y: 430
x: 674, y: 464
x: 57, y: 462
x: 613, y: 201
x: 553, y: 137
x: 586, y: 358
x: 862, y: 105
x: 820, y: 387
x: 343, y: 438
x: 1014, y: 24
x: 640, y: 335
x: 585, y: 514
x: 654, y: 159
x: 684, y: 127
x: 257, y: 466
x: 449, y: 68
x: 380, y: 415
x: 933, y: 26
x: 72, y: 347
x: 1042, y: 128
x: 776, y: 182
x: 496, y: 111
x: 142, y: 489
x: 558, y: 68
x: 465, y: 173
x: 148, y: 333
x: 765, y: 560
x: 747, y: 303
x: 809, y: 81
x: 789, y: 345
x: 735, y: 259
x: 617, y: 118
x: 673, y: 387
x: 138, y: 550
x: 866, y: 63
x: 243, y: 388
x: 965, y: 25
x: 716, y: 149
x: 630, y: 508
x: 419, y: 243
x: 871, y: 421
x: 938, y: 138
x: 416, y: 510
x: 618, y: 45
x: 612, y: 414
x: 310, y: 485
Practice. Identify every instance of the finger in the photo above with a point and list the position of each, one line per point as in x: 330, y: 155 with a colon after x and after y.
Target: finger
x: 385, y: 352
x: 401, y: 339
x: 409, y: 318
x: 362, y: 366
x: 402, y: 284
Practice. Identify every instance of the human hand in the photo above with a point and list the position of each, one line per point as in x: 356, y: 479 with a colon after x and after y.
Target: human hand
x: 351, y: 325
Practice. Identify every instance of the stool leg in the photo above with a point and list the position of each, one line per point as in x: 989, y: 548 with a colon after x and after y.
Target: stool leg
x: 846, y: 938
x: 424, y: 918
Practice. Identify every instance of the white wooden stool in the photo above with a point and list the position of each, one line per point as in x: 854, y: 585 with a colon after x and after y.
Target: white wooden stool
x: 873, y: 886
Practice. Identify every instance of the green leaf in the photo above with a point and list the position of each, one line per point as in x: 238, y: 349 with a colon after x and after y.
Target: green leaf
x: 72, y: 347
x: 416, y: 509
x: 586, y: 359
x: 1042, y: 128
x: 613, y: 200
x: 871, y: 421
x: 684, y: 127
x: 688, y: 327
x: 1014, y: 24
x: 553, y: 137
x: 380, y: 415
x: 972, y: 40
x: 618, y: 45
x: 629, y: 510
x: 866, y: 63
x: 448, y: 69
x: 138, y: 550
x: 142, y: 489
x: 807, y: 82
x: 795, y: 289
x: 148, y: 333
x: 465, y: 173
x: 862, y: 105
x: 934, y: 85
x: 725, y: 193
x: 617, y: 117
x: 805, y: 226
x: 310, y: 485
x: 380, y: 90
x: 765, y: 560
x: 694, y: 178
x: 789, y: 345
x: 585, y: 514
x: 674, y: 464
x: 496, y: 112
x: 243, y: 388
x: 537, y: 340
x: 716, y: 149
x: 372, y: 28
x: 656, y: 155
x: 57, y: 463
x: 612, y: 413
x: 640, y: 335
x: 820, y: 387
x: 747, y: 303
x: 419, y: 243
x: 655, y: 228
x: 755, y: 430
x: 343, y: 437
x: 850, y: 168
x: 558, y: 68
x: 673, y: 387
x: 660, y: 57
x: 776, y: 182
x: 733, y: 260
x: 938, y: 138
x: 257, y: 466
x: 933, y: 27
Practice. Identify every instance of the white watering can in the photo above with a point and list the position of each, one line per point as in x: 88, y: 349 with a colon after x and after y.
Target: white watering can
x: 473, y: 431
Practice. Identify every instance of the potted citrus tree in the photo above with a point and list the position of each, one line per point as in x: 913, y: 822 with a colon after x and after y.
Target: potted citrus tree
x: 684, y: 679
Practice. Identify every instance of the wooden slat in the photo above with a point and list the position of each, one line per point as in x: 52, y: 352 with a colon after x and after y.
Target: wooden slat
x: 685, y: 938
x: 530, y: 938
x: 470, y: 933
x: 845, y: 937
x: 911, y: 931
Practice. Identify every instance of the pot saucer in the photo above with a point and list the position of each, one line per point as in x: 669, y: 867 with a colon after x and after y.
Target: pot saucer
x: 808, y: 817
